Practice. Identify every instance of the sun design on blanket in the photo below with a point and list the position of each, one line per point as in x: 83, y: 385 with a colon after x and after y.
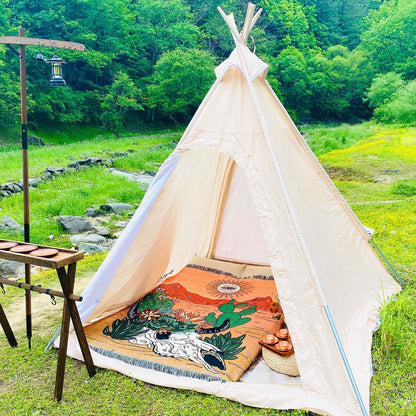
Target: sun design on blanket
x: 153, y: 322
x: 229, y: 288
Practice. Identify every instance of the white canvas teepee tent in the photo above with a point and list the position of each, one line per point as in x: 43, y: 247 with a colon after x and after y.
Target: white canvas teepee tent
x: 243, y: 186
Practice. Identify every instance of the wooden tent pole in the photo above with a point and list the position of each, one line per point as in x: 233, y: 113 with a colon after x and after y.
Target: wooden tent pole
x: 248, y: 22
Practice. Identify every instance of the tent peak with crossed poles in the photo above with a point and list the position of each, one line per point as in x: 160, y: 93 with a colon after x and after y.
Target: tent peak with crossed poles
x: 242, y: 185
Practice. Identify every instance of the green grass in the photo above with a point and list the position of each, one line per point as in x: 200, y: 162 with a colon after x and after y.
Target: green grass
x: 60, y: 155
x: 71, y: 194
x: 354, y: 156
x: 322, y: 138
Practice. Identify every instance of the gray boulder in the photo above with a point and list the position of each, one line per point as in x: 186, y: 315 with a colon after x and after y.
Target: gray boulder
x: 100, y: 230
x: 11, y: 269
x: 74, y: 225
x: 55, y: 171
x: 77, y: 239
x: 116, y: 207
x: 90, y: 248
x: 34, y: 182
x: 91, y: 212
x: 10, y: 225
x: 35, y: 141
x: 121, y: 224
x: 12, y: 187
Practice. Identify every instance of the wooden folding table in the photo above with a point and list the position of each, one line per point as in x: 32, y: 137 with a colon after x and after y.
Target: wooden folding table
x: 63, y: 258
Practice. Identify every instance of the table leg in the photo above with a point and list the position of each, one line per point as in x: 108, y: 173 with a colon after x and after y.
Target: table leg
x: 7, y: 329
x: 63, y: 341
x: 76, y: 320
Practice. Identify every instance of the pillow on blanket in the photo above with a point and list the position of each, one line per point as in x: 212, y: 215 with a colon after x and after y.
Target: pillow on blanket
x: 204, y: 322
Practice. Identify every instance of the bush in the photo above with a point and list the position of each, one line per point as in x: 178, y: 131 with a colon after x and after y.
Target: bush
x: 401, y: 108
x: 383, y: 88
x: 406, y: 188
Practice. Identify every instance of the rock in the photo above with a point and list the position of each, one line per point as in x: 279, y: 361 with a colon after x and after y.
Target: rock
x: 390, y: 171
x: 34, y: 182
x: 55, y: 171
x: 104, y: 231
x: 91, y: 248
x: 10, y: 225
x: 11, y: 269
x: 73, y: 165
x: 150, y: 172
x: 89, y: 161
x: 47, y: 175
x: 117, y: 234
x: 121, y: 224
x: 35, y: 141
x: 116, y: 207
x: 74, y: 225
x: 11, y: 187
x: 77, y: 239
x: 91, y: 212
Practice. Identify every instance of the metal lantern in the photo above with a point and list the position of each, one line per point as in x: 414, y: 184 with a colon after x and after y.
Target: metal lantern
x: 57, y: 76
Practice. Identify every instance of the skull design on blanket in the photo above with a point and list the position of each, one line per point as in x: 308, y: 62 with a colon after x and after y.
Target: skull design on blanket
x: 187, y: 345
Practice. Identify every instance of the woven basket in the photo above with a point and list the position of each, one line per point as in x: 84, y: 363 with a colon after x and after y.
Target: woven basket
x: 284, y: 365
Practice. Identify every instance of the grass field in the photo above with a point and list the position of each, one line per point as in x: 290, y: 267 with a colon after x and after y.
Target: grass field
x: 374, y: 167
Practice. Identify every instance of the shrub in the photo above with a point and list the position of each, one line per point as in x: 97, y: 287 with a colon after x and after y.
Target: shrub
x: 401, y: 108
x: 406, y: 188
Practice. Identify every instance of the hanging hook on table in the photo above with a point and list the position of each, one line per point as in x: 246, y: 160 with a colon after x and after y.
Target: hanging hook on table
x: 53, y: 300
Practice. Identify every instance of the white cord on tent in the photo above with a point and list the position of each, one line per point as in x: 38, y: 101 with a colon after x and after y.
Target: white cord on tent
x: 295, y: 224
x: 304, y: 248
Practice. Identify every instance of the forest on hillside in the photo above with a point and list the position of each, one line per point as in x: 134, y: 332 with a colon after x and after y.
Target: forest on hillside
x: 152, y: 61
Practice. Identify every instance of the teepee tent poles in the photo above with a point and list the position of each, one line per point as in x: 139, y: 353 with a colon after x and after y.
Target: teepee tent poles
x: 241, y: 42
x: 248, y: 22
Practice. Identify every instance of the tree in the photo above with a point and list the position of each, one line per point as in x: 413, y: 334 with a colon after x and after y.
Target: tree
x: 286, y: 25
x: 401, y: 108
x: 162, y: 25
x: 291, y: 70
x: 180, y: 82
x: 383, y: 88
x: 390, y: 37
x: 123, y: 96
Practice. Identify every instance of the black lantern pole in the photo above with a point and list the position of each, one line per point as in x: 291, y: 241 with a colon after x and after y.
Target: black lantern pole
x: 25, y: 158
x: 23, y: 41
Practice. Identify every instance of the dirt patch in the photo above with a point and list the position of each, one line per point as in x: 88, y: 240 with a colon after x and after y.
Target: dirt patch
x: 341, y: 173
x: 46, y: 317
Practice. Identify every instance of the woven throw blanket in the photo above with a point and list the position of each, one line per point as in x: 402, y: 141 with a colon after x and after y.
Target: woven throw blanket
x: 203, y: 323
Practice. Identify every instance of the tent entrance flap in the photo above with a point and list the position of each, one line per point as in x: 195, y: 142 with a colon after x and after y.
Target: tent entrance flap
x: 238, y: 235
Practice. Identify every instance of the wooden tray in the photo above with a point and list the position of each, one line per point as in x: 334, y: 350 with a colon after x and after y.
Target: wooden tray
x: 274, y: 348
